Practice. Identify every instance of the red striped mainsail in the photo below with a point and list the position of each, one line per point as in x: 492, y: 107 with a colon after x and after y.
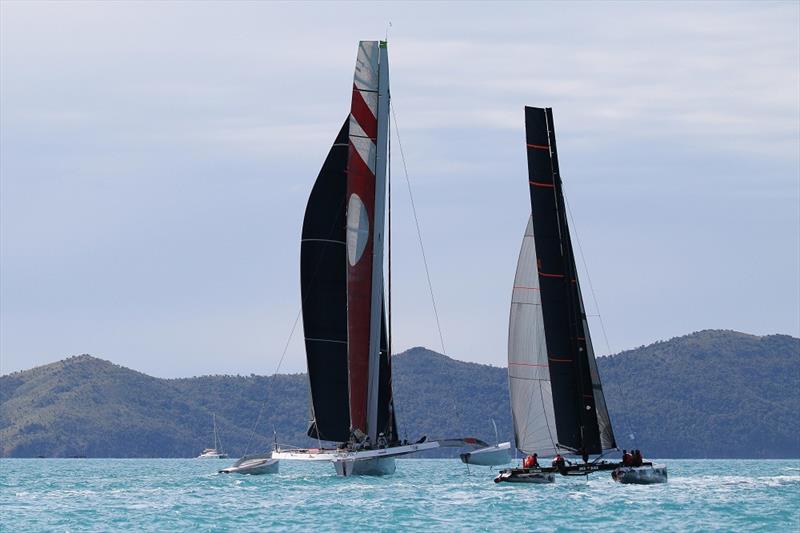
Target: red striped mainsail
x: 365, y: 205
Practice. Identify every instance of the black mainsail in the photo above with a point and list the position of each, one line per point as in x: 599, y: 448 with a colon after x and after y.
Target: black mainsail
x: 324, y: 295
x: 570, y: 392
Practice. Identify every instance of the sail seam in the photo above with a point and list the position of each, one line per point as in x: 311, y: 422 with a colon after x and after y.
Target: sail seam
x: 325, y: 340
x: 323, y: 240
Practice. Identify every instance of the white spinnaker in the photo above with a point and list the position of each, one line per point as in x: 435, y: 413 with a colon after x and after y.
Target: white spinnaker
x: 528, y: 369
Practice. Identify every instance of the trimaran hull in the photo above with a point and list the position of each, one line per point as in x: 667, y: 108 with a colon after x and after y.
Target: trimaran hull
x: 373, y: 462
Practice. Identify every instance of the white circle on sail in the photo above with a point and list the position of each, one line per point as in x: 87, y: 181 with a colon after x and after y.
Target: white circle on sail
x: 357, y: 229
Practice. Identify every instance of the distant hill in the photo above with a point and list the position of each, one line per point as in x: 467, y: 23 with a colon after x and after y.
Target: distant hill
x: 708, y: 394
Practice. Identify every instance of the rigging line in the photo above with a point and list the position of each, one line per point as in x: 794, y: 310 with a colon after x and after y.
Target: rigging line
x: 422, y: 247
x: 280, y: 362
x: 586, y: 269
x: 286, y: 347
x: 631, y: 433
x: 419, y: 232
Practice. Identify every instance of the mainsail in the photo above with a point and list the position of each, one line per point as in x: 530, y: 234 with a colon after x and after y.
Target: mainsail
x: 342, y: 268
x: 548, y: 328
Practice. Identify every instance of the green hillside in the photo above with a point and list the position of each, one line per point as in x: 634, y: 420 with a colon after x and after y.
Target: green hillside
x: 708, y: 394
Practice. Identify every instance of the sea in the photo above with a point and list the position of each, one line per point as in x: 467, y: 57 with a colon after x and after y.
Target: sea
x: 423, y: 495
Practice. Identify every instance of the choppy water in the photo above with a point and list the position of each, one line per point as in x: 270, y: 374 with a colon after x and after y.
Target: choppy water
x: 187, y: 494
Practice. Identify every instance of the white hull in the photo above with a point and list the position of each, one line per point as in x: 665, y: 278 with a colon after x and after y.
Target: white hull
x: 489, y: 456
x: 212, y: 456
x: 253, y: 465
x: 640, y: 475
x: 376, y: 466
x: 377, y: 462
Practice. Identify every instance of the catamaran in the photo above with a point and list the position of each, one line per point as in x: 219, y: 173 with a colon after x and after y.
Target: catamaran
x: 557, y: 400
x: 346, y: 325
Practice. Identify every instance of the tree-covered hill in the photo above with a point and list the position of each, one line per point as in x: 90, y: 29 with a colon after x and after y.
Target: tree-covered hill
x: 708, y: 394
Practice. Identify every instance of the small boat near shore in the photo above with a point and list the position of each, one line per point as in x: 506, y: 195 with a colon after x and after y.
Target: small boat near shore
x: 216, y: 451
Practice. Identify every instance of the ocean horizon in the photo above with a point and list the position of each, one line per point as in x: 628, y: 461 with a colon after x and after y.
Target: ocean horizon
x: 424, y: 494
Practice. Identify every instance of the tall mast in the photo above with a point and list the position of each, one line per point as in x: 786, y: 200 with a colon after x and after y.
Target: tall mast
x: 378, y: 236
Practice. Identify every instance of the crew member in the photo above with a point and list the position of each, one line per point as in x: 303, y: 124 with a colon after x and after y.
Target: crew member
x: 531, y: 461
x: 627, y: 459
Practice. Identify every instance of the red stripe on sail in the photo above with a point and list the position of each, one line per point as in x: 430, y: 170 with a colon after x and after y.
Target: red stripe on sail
x: 546, y: 275
x: 541, y: 184
x: 360, y: 181
x: 539, y: 147
x: 363, y: 115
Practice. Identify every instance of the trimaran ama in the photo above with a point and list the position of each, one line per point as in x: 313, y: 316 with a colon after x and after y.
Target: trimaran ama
x: 347, y: 330
x: 557, y: 400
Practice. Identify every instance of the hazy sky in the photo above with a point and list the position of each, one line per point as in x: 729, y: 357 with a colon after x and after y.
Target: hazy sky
x: 157, y: 157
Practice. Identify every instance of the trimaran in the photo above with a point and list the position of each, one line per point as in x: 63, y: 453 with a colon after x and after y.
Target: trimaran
x: 346, y: 326
x: 557, y: 400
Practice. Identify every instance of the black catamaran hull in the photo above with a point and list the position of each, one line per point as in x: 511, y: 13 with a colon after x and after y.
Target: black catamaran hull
x: 526, y: 475
x: 640, y: 475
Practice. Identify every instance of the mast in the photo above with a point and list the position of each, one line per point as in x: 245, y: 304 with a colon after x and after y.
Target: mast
x: 378, y: 236
x: 214, y: 422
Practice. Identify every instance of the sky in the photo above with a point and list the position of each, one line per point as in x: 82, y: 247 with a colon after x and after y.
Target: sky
x: 156, y: 159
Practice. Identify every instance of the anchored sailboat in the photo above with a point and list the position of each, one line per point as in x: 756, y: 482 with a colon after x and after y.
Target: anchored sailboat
x: 342, y: 280
x: 216, y: 451
x: 557, y: 399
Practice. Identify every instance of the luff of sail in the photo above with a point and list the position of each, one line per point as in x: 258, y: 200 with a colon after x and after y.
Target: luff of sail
x: 581, y: 417
x: 365, y: 221
x: 528, y: 368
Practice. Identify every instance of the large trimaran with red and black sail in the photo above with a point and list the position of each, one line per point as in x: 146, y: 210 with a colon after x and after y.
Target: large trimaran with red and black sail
x: 557, y: 400
x: 347, y: 330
